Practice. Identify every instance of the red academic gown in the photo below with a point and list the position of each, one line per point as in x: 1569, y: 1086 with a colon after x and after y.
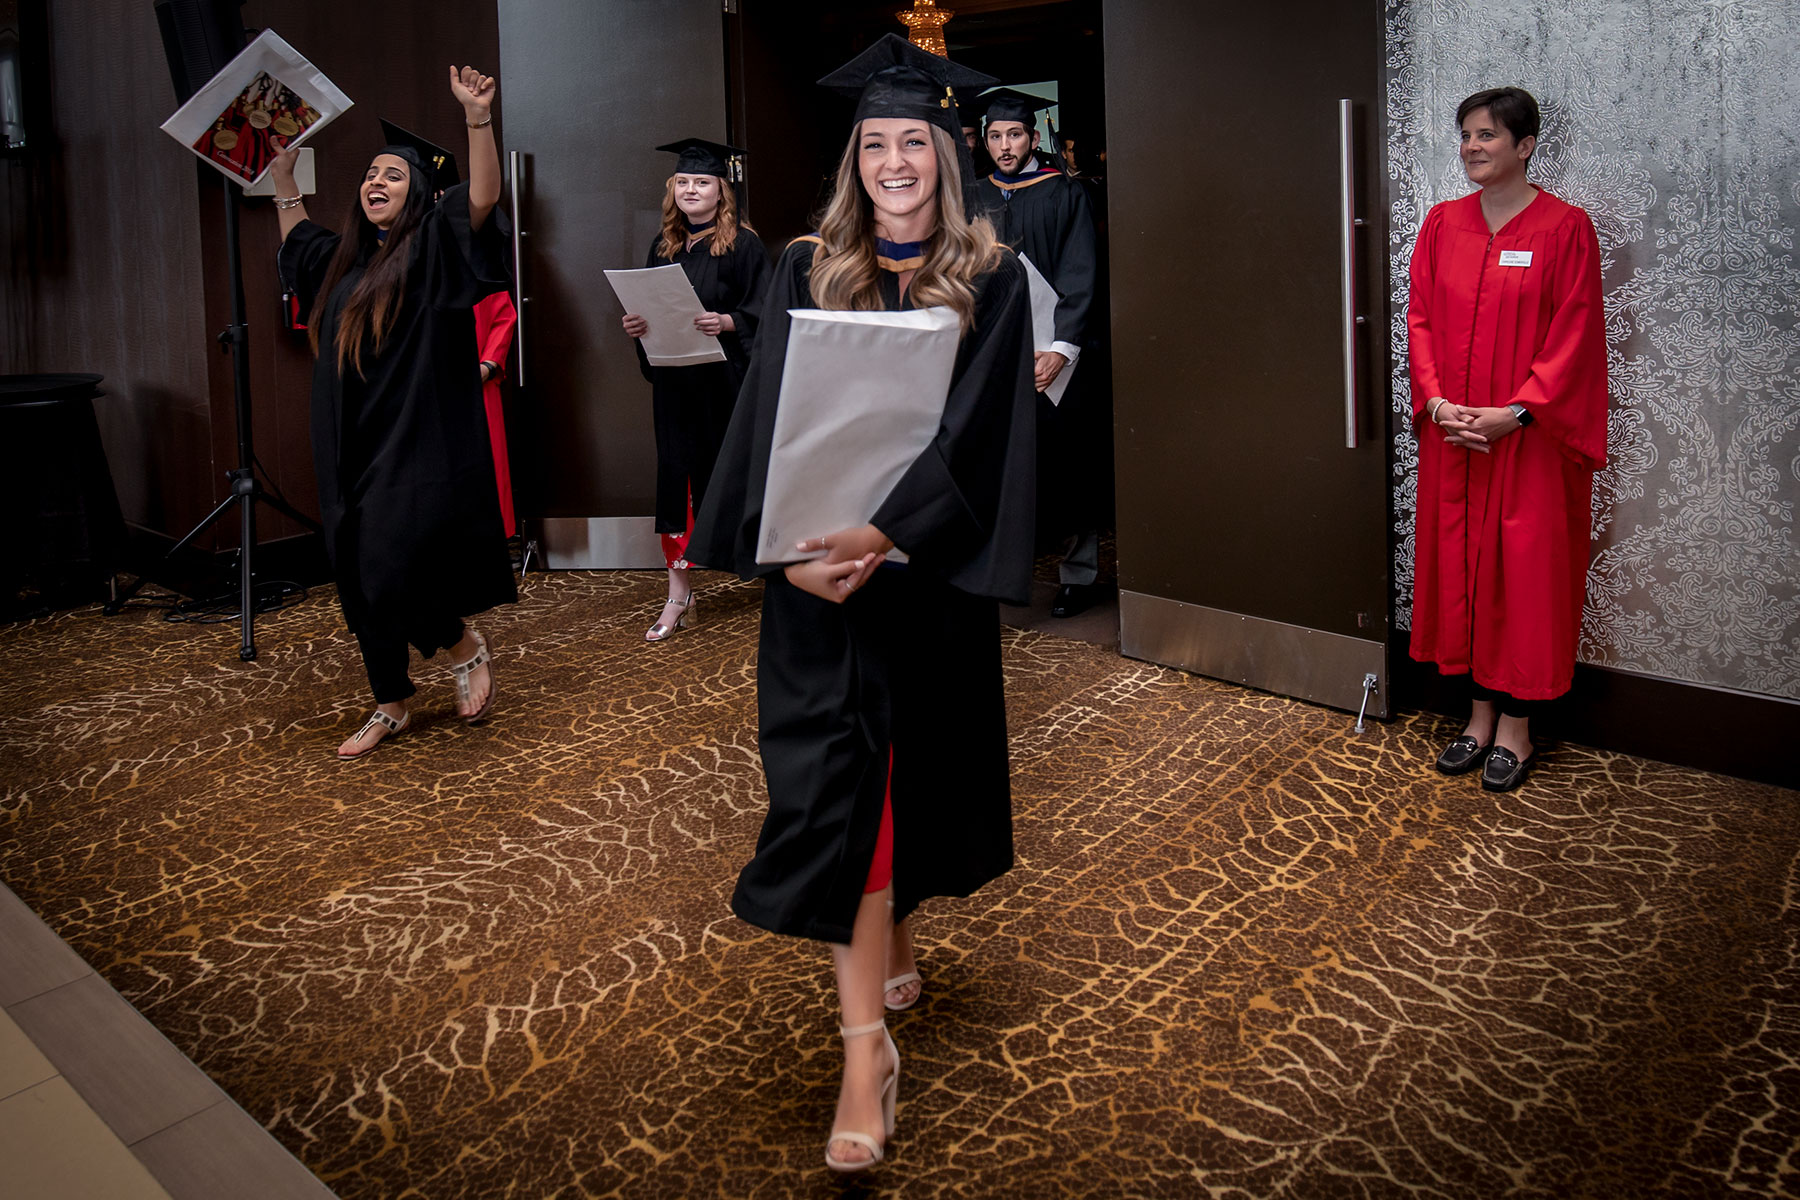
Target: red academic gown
x: 494, y: 320
x: 1502, y: 545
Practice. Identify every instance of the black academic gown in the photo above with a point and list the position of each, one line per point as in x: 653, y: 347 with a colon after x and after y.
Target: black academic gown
x: 912, y: 660
x: 692, y: 405
x: 401, y: 451
x: 1049, y: 219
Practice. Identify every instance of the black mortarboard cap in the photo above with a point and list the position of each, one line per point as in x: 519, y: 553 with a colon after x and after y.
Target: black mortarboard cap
x: 1005, y: 104
x: 894, y: 78
x: 438, y: 164
x: 701, y: 157
x: 968, y: 103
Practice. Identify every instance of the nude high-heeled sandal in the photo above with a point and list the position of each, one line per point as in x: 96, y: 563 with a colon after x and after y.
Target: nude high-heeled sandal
x: 890, y: 1093
x: 900, y: 981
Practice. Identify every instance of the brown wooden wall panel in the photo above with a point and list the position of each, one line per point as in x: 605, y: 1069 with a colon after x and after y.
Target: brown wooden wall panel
x: 101, y: 258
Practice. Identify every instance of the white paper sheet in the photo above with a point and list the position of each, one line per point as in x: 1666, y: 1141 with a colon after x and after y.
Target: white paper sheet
x: 1043, y: 326
x: 266, y: 99
x: 667, y: 302
x: 862, y: 396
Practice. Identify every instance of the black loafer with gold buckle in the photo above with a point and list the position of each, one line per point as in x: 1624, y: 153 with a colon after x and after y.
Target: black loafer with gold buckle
x: 1504, y: 771
x: 1463, y: 755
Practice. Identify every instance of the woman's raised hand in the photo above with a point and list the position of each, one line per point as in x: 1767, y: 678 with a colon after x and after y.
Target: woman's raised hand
x: 635, y: 326
x: 474, y: 91
x: 283, y: 165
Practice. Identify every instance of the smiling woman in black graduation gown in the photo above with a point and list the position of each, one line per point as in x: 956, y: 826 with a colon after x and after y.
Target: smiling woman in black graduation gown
x: 400, y: 443
x: 867, y: 668
x: 705, y: 234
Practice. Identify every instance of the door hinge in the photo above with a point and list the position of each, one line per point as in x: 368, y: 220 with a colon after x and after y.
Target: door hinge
x: 731, y: 6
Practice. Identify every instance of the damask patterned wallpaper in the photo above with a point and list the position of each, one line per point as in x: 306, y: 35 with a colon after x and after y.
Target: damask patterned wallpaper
x: 1676, y: 125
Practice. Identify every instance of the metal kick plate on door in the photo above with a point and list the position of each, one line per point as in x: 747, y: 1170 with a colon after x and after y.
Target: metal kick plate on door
x: 1289, y: 660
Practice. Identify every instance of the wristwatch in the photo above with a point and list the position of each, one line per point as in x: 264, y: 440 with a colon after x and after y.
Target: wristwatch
x: 1521, y: 414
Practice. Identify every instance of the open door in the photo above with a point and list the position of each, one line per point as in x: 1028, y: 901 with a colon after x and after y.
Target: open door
x: 590, y: 90
x: 1249, y: 359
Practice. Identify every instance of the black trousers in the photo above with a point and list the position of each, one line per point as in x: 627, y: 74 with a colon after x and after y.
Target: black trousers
x: 384, y: 651
x: 1509, y: 706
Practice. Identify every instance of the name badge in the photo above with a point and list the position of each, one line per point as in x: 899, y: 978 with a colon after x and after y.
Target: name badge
x: 1515, y: 258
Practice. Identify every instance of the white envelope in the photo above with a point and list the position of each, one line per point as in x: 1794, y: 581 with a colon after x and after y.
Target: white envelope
x: 667, y: 301
x: 1043, y: 326
x: 252, y: 103
x: 862, y: 396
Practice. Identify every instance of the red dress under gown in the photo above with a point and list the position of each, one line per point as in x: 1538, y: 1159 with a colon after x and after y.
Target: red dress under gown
x: 1503, y: 539
x: 495, y: 317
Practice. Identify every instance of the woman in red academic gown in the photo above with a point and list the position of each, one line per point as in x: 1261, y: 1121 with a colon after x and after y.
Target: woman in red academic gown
x: 1508, y: 353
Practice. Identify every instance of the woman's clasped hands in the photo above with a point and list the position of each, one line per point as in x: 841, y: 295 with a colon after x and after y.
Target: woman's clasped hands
x: 1471, y: 428
x: 852, y: 556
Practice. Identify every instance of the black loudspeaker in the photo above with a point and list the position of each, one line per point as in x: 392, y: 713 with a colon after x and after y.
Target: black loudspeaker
x: 24, y: 75
x: 199, y: 37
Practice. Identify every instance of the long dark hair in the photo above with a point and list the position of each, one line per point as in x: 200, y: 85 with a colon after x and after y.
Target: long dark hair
x: 374, y: 302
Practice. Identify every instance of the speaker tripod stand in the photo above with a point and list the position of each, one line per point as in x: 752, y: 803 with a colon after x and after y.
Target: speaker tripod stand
x: 246, y: 490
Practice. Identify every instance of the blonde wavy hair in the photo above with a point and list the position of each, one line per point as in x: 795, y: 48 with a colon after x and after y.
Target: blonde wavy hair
x: 844, y: 273
x: 724, y: 233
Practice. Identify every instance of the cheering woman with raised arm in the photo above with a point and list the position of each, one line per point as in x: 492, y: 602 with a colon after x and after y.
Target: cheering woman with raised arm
x: 880, y: 713
x: 400, y: 441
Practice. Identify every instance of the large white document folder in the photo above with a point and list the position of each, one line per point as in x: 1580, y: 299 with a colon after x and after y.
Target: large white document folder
x: 862, y: 396
x: 667, y: 302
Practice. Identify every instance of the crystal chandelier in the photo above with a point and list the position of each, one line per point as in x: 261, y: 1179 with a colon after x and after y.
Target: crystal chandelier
x: 925, y: 25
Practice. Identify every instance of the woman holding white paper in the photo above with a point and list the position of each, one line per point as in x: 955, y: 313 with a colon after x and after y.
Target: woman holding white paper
x: 881, y: 718
x: 704, y: 232
x: 399, y: 431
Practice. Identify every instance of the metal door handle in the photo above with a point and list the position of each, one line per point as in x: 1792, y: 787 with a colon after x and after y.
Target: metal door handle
x: 1347, y: 264
x: 515, y: 167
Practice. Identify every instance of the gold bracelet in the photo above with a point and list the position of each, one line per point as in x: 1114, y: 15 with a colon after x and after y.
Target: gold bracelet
x: 481, y: 124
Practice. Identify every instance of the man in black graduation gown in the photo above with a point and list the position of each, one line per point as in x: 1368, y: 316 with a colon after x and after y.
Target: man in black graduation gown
x: 1045, y: 216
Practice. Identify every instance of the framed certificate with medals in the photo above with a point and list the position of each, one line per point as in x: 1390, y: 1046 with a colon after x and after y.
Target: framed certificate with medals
x: 266, y: 117
x: 267, y: 99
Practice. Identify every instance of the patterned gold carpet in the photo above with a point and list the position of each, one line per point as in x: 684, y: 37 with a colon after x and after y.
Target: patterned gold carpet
x: 1246, y: 952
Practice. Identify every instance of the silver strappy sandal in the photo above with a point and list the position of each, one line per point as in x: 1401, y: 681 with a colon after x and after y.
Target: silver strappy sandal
x: 377, y: 720
x: 460, y: 672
